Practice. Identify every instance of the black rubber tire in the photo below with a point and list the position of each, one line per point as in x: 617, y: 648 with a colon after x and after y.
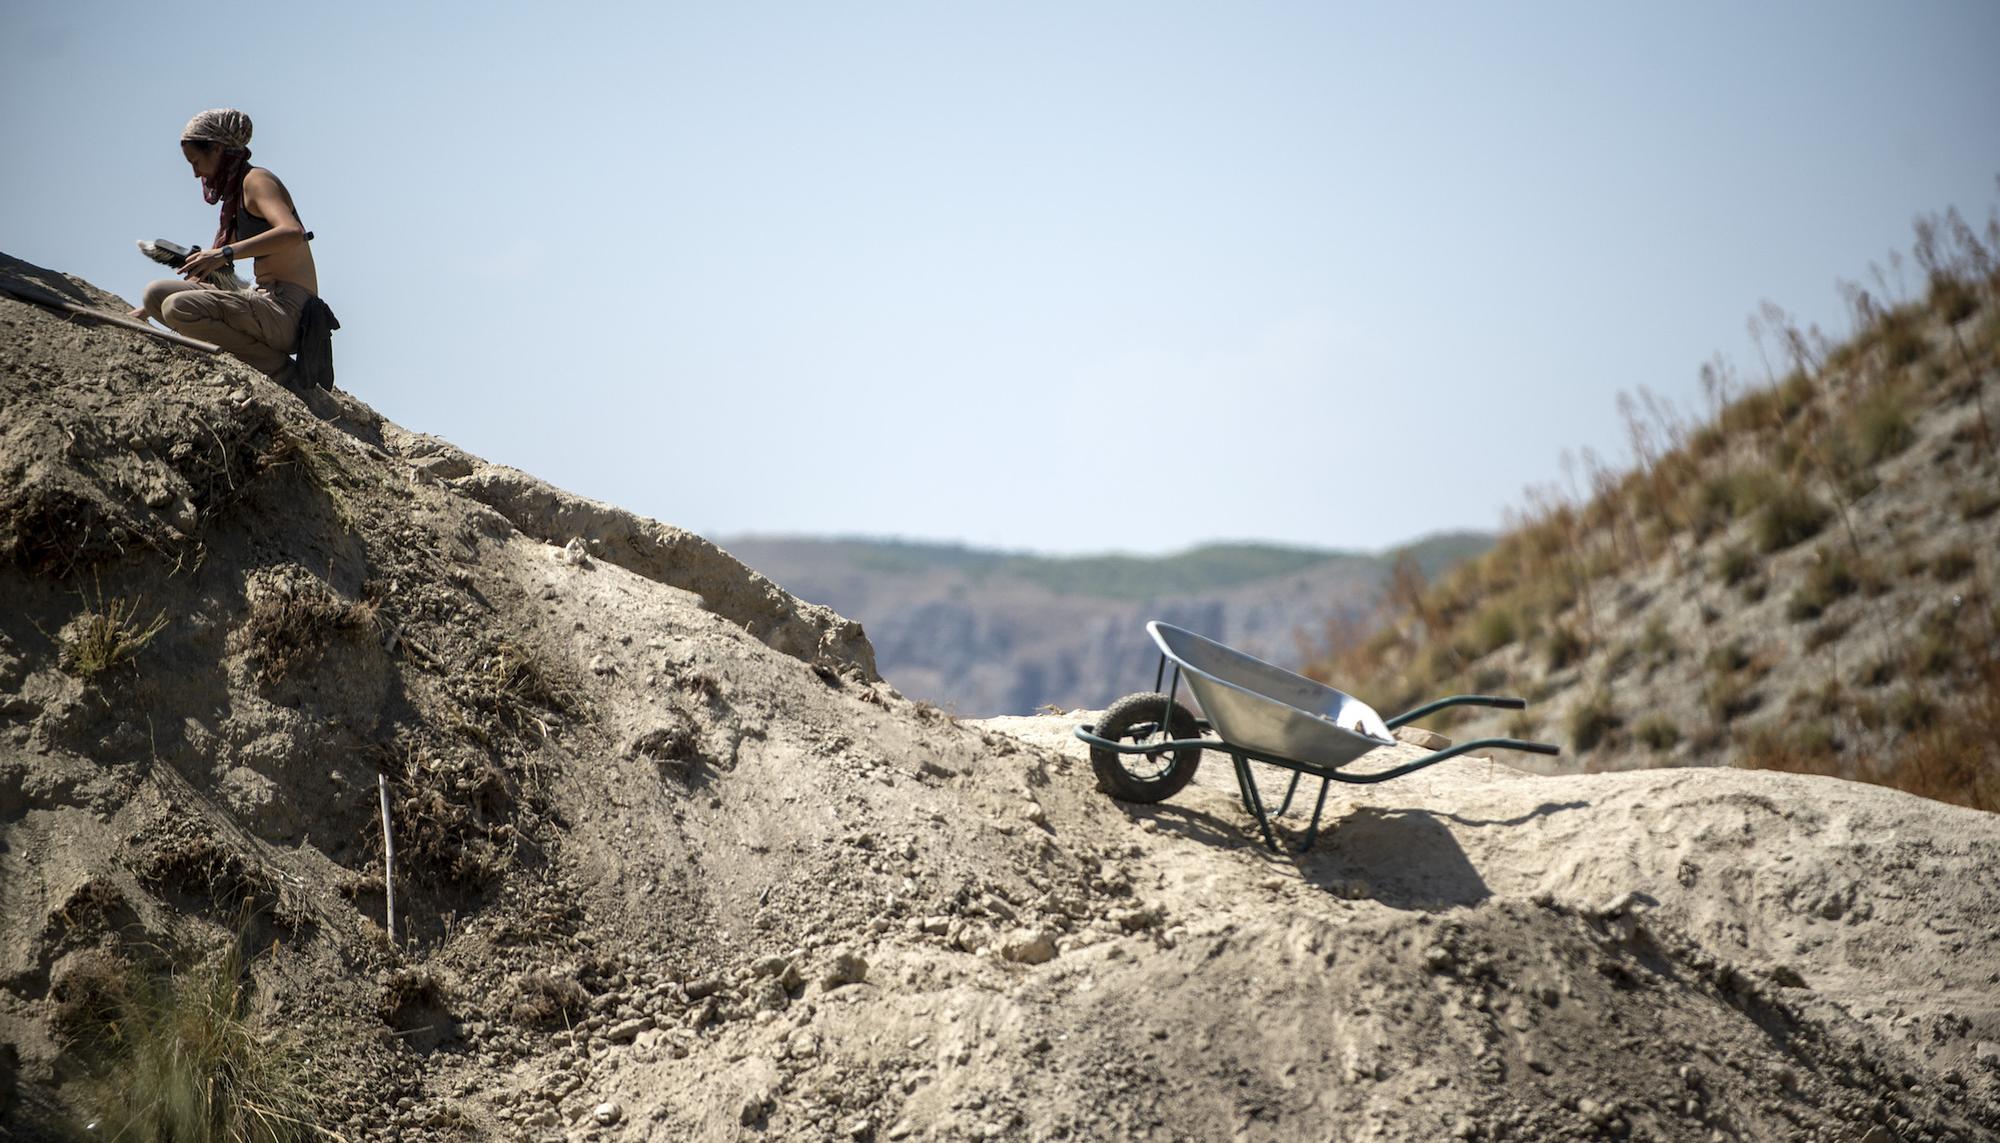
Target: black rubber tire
x: 1151, y: 777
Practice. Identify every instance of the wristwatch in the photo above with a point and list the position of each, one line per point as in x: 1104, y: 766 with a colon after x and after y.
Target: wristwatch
x: 229, y: 253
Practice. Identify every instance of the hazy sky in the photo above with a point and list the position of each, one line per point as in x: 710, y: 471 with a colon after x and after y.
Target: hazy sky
x: 1067, y: 276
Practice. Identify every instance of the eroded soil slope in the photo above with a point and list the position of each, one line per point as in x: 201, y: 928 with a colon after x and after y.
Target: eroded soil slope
x: 671, y: 862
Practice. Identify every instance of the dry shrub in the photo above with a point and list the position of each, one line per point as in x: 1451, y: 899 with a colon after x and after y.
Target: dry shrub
x: 541, y: 1000
x: 1751, y: 413
x: 1657, y: 642
x: 930, y: 712
x: 1790, y: 516
x: 1955, y: 759
x: 1563, y: 646
x: 1952, y: 564
x: 1952, y: 759
x: 1731, y: 495
x: 1658, y: 732
x: 1952, y: 298
x: 1593, y: 721
x: 293, y: 620
x: 181, y: 855
x: 1826, y: 633
x: 1901, y: 340
x: 1911, y: 710
x: 1833, y: 576
x: 1878, y: 673
x: 1881, y: 426
x: 88, y: 995
x: 453, y: 820
x: 91, y: 908
x: 322, y: 468
x: 1976, y: 503
x: 1735, y: 565
x: 411, y: 997
x: 514, y: 687
x: 1730, y: 688
x: 1497, y: 626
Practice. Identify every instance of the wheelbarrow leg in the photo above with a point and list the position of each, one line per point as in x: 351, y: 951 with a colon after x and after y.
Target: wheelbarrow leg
x: 1289, y: 791
x: 1252, y: 802
x: 1312, y: 833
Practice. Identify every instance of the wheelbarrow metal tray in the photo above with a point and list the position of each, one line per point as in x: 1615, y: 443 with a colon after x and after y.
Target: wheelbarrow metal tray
x: 1257, y: 706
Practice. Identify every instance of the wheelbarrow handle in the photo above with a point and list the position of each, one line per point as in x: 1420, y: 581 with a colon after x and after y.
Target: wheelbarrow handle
x: 1504, y: 703
x: 1529, y: 747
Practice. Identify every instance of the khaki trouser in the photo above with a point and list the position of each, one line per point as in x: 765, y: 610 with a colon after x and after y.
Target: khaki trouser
x: 261, y: 326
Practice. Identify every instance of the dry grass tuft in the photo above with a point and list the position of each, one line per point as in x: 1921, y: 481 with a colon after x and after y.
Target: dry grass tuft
x: 1593, y: 722
x: 180, y: 1057
x: 109, y: 633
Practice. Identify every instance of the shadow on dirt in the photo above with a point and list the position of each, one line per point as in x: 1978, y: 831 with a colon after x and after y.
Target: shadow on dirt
x: 1194, y: 825
x: 1405, y: 858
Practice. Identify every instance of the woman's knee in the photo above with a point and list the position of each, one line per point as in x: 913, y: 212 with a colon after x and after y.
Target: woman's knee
x: 158, y: 292
x: 173, y: 312
x: 181, y: 308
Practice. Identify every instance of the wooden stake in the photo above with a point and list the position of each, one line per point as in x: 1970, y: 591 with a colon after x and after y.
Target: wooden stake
x: 41, y: 297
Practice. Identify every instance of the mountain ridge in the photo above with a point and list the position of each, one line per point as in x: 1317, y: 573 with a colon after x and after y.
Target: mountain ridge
x: 986, y: 632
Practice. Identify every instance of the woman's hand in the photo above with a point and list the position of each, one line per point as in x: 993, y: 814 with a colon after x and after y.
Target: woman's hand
x: 202, y: 263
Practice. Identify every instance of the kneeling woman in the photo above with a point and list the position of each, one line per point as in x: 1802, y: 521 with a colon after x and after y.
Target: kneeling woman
x: 261, y: 326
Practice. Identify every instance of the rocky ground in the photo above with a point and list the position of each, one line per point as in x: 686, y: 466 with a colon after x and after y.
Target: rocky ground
x: 671, y: 861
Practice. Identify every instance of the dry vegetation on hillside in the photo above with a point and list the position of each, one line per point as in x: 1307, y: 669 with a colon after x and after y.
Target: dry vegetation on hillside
x: 1801, y: 580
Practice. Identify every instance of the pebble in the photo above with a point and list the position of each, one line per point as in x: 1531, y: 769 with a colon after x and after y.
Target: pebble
x: 628, y: 1030
x: 846, y: 967
x: 608, y: 1113
x: 1028, y: 946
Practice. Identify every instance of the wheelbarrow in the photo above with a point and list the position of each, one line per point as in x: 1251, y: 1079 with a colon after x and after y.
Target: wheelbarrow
x: 1147, y: 746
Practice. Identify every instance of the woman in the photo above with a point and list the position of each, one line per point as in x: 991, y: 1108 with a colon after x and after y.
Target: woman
x: 258, y: 221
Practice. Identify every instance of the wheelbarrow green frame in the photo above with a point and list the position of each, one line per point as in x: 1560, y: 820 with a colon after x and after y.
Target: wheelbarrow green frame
x: 1256, y: 679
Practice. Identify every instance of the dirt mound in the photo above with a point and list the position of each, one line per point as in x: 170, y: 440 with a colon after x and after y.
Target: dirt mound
x: 671, y: 862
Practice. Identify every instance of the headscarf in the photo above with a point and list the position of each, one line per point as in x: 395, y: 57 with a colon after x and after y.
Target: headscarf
x: 230, y: 128
x: 224, y: 125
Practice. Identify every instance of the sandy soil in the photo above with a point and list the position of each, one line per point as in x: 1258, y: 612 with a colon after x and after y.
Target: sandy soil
x: 673, y: 863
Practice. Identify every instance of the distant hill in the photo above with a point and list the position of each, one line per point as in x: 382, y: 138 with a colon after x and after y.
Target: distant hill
x: 988, y: 632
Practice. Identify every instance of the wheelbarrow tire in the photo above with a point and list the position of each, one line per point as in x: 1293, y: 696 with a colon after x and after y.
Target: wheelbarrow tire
x: 1138, y: 777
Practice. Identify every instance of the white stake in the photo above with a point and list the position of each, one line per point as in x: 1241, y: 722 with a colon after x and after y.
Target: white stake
x: 388, y: 853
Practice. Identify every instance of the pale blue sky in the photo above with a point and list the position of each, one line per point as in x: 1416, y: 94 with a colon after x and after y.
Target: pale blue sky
x: 1065, y: 276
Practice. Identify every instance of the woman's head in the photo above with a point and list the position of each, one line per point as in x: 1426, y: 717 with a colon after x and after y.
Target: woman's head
x: 216, y: 143
x: 218, y: 129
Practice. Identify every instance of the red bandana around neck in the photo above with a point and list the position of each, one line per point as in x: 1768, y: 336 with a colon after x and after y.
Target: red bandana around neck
x: 226, y: 187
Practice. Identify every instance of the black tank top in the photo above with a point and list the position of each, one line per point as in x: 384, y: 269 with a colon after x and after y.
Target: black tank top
x: 247, y: 225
